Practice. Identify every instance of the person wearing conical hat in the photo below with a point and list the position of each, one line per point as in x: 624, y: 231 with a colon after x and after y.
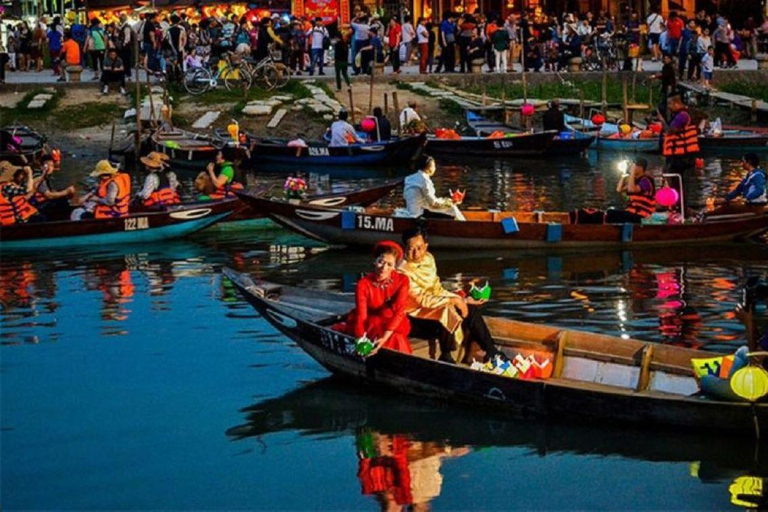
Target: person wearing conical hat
x: 109, y: 198
x: 15, y: 194
x: 161, y: 185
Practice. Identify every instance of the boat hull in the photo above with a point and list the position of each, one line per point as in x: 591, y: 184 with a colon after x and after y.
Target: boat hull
x: 363, y: 228
x: 455, y: 383
x: 136, y: 228
x: 519, y: 146
x: 394, y: 152
x: 735, y: 141
x: 194, y: 152
x: 628, y: 145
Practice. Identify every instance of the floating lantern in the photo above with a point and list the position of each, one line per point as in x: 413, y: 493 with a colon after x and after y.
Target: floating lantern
x: 233, y: 129
x: 655, y: 128
x: 363, y: 345
x: 598, y: 119
x: 699, y: 163
x: 751, y: 383
x: 667, y: 197
x: 527, y: 109
x: 625, y: 129
x: 368, y: 125
x: 458, y: 196
x: 56, y: 155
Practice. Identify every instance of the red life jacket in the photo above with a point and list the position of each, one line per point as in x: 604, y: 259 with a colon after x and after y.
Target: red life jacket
x: 684, y: 143
x: 226, y: 190
x: 164, y: 195
x: 120, y: 208
x: 643, y: 203
x: 16, y: 210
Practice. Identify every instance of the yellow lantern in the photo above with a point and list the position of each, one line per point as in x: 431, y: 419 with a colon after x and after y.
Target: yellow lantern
x: 750, y: 382
x: 625, y: 129
x: 234, y: 131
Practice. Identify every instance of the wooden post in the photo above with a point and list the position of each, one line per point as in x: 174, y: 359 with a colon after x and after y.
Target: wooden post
x: 754, y: 111
x: 581, y: 103
x: 138, y: 105
x: 503, y: 89
x: 396, y: 106
x: 650, y: 97
x: 370, y: 92
x: 624, y: 97
x: 604, y: 91
x: 151, y: 103
x: 634, y: 83
x: 485, y: 100
x: 351, y: 107
x: 386, y: 104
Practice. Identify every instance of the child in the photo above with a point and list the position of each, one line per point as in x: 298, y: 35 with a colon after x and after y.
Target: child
x: 193, y: 60
x: 708, y: 66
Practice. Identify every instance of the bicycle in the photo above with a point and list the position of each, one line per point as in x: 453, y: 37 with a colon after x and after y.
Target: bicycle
x: 273, y: 74
x: 232, y: 72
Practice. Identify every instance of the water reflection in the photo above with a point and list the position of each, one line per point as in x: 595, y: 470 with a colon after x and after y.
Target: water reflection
x: 405, y: 445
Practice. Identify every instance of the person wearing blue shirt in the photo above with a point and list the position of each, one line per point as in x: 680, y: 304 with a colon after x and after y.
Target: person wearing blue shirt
x: 752, y: 189
x: 447, y: 40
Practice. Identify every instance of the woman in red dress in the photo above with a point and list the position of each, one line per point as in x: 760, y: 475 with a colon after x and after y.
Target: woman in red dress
x: 380, y: 299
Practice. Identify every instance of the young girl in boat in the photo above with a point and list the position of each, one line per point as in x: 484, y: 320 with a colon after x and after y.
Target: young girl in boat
x: 380, y: 299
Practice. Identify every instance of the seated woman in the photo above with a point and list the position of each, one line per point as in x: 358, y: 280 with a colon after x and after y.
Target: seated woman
x: 380, y: 299
x: 215, y: 186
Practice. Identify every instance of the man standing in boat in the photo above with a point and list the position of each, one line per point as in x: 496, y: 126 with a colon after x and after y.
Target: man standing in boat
x: 419, y: 194
x: 429, y: 303
x: 342, y: 133
x: 680, y: 141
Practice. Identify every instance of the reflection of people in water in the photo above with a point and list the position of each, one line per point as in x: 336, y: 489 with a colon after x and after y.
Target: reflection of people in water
x: 117, y: 290
x: 399, y: 471
x: 17, y: 285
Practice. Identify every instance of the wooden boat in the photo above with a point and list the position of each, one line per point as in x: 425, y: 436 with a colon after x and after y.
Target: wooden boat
x: 735, y: 140
x: 527, y: 144
x: 564, y: 144
x: 595, y: 377
x: 174, y: 222
x: 32, y: 144
x: 186, y: 149
x: 606, y: 143
x: 276, y: 151
x: 362, y: 197
x: 502, y: 230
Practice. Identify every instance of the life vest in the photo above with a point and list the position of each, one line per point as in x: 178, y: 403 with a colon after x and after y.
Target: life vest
x: 15, y: 210
x: 164, y: 195
x: 39, y: 198
x: 683, y: 143
x: 642, y: 204
x: 226, y: 190
x: 120, y: 208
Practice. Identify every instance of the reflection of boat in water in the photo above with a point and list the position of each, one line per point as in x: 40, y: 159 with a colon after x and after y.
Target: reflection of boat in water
x: 333, y: 407
x: 593, y: 376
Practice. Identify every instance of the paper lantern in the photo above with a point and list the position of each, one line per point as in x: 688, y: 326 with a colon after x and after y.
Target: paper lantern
x: 527, y: 109
x: 751, y: 383
x: 233, y: 129
x: 598, y: 119
x: 368, y: 125
x: 56, y: 155
x: 655, y: 128
x: 667, y: 197
x: 457, y: 196
x: 625, y: 129
x: 363, y: 345
x: 483, y: 293
x: 699, y: 163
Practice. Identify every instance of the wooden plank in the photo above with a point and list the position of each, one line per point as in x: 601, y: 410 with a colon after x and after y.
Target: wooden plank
x: 277, y: 118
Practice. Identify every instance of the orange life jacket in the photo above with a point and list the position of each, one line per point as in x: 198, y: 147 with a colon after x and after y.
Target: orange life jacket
x: 683, y: 143
x: 642, y: 203
x: 15, y: 210
x: 225, y: 191
x: 120, y: 208
x: 164, y: 195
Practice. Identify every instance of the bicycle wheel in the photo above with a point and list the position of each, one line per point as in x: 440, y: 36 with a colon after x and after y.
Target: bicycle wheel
x: 197, y: 81
x: 283, y: 75
x: 270, y: 76
x: 235, y: 78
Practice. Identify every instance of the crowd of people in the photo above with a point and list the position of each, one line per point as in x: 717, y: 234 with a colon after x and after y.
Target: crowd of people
x: 457, y: 43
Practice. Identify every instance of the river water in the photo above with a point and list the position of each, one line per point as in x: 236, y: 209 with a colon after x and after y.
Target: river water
x: 136, y: 378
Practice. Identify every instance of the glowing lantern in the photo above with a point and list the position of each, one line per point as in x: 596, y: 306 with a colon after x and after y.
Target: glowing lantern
x: 458, y: 196
x: 598, y: 119
x: 667, y: 197
x: 368, y: 125
x: 699, y: 163
x: 527, y: 109
x: 233, y: 129
x: 625, y: 129
x: 56, y: 155
x: 655, y: 128
x: 751, y: 383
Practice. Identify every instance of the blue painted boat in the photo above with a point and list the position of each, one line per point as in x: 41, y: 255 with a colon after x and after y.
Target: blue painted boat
x: 628, y: 145
x: 142, y: 227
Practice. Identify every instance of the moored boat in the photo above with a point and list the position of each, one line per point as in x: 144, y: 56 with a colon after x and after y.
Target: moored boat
x: 399, y: 151
x: 186, y: 149
x: 521, y: 145
x: 564, y: 144
x: 628, y: 145
x: 594, y: 377
x: 503, y: 230
x: 174, y: 222
x: 735, y: 140
x: 30, y: 143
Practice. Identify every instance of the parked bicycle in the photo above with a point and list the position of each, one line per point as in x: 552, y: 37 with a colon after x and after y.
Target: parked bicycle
x: 269, y: 72
x: 230, y: 70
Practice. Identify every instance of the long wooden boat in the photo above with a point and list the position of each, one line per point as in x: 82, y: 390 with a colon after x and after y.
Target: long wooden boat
x: 186, y: 149
x: 502, y: 230
x: 595, y: 377
x: 527, y: 144
x: 276, y: 151
x: 174, y: 222
x: 735, y: 140
x: 606, y: 143
x: 31, y: 142
x: 361, y: 197
x: 564, y: 144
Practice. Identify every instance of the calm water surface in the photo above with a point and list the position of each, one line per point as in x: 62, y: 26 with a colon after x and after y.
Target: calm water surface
x: 136, y: 378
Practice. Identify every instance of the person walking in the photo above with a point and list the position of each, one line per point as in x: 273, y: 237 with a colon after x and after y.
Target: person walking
x: 341, y: 61
x: 500, y: 43
x: 394, y: 34
x: 316, y: 39
x: 655, y: 28
x: 447, y: 44
x: 124, y: 43
x: 422, y: 37
x: 96, y: 45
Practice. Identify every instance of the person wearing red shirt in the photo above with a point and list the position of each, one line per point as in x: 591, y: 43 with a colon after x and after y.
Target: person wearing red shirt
x: 395, y: 36
x: 675, y: 27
